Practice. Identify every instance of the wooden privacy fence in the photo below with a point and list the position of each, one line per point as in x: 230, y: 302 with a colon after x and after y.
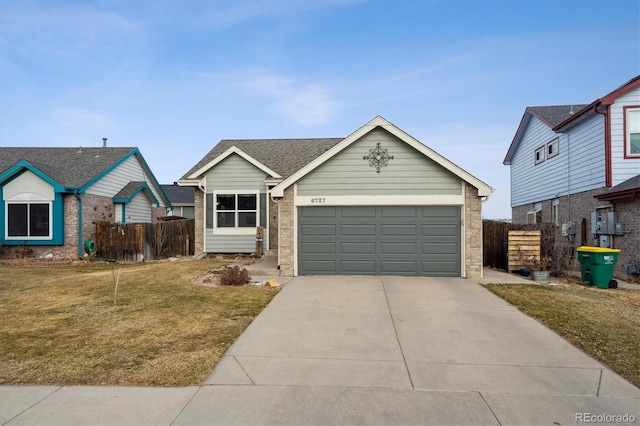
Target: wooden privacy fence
x: 145, y: 241
x: 524, y: 246
x: 495, y: 234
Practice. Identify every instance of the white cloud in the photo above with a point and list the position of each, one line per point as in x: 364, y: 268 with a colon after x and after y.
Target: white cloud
x: 307, y: 104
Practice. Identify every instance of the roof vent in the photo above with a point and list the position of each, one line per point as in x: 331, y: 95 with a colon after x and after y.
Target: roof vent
x: 104, y: 142
x: 571, y: 110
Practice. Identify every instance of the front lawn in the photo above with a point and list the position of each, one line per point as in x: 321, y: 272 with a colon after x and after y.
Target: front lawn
x: 603, y: 323
x: 59, y: 324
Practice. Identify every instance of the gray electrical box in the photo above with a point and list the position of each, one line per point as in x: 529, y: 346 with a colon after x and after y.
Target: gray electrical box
x: 605, y: 223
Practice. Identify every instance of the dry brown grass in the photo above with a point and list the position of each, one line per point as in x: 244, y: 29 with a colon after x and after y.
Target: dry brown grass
x: 59, y: 324
x: 603, y: 323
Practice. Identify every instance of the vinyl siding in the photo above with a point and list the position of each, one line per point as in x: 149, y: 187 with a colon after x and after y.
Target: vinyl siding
x: 129, y: 170
x: 622, y: 168
x: 234, y: 174
x: 139, y: 209
x: 586, y: 155
x: 578, y: 167
x: 408, y: 173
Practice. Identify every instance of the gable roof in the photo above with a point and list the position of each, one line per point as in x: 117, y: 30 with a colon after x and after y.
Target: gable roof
x: 132, y: 189
x: 555, y: 114
x: 70, y: 167
x: 179, y: 194
x: 558, y: 117
x: 282, y: 156
x: 483, y: 188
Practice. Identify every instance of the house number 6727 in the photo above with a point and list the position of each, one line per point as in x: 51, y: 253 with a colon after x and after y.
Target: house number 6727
x: 318, y: 200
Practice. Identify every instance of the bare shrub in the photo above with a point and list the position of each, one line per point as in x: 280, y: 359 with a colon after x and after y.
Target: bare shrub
x: 234, y: 275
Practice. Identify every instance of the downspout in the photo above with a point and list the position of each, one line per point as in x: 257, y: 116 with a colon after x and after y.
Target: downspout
x: 75, y: 193
x: 607, y: 146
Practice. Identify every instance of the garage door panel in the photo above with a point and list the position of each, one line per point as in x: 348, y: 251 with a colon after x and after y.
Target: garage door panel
x: 356, y: 229
x: 319, y: 267
x: 439, y: 249
x: 399, y: 267
x: 321, y: 229
x: 397, y: 230
x: 364, y: 267
x: 400, y: 211
x: 328, y: 212
x: 318, y: 247
x: 387, y: 240
x: 439, y: 230
x: 365, y: 248
x: 398, y: 248
x: 358, y: 212
x: 439, y: 212
x: 441, y: 268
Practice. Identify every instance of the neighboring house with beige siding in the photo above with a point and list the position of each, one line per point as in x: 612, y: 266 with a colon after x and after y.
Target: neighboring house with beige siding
x: 577, y: 166
x: 376, y: 202
x: 52, y: 197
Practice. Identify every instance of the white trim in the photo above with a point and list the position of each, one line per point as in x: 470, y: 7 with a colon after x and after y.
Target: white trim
x: 379, y: 200
x: 463, y: 234
x: 233, y: 150
x: 47, y: 237
x: 484, y: 190
x: 245, y: 230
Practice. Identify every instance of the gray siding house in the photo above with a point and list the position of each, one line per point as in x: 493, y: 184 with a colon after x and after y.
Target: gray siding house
x: 50, y: 198
x: 565, y: 159
x: 375, y: 202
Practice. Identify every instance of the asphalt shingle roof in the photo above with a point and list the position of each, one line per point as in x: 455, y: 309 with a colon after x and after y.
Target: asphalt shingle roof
x: 179, y: 194
x: 128, y: 189
x: 71, y: 167
x: 556, y: 114
x: 632, y: 183
x: 284, y: 156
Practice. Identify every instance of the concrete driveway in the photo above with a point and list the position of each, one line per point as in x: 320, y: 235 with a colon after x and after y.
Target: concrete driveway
x: 374, y: 350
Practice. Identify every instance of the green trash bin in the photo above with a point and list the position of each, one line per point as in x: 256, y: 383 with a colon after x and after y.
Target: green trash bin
x: 596, y: 265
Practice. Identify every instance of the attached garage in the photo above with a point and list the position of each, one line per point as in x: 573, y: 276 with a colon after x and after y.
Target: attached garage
x: 379, y: 240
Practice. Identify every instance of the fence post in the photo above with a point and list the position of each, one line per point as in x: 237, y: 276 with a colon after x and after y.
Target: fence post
x: 259, y: 237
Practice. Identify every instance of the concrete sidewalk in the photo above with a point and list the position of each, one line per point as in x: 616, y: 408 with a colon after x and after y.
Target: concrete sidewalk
x: 366, y: 350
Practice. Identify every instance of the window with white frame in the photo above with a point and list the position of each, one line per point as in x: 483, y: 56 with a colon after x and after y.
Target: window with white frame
x: 236, y: 210
x: 27, y: 220
x: 535, y: 214
x: 539, y: 155
x: 632, y: 132
x: 553, y: 148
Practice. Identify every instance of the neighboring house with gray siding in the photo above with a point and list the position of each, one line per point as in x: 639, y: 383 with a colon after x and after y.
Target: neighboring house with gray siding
x: 565, y: 159
x: 52, y: 197
x: 182, y: 199
x: 376, y: 202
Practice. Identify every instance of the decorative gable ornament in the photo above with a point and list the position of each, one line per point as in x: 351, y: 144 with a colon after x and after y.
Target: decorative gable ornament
x: 378, y: 157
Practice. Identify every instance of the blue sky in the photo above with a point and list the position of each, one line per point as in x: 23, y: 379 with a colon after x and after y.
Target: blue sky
x: 175, y: 77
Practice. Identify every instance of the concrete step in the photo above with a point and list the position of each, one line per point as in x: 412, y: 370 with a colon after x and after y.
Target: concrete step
x: 266, y: 272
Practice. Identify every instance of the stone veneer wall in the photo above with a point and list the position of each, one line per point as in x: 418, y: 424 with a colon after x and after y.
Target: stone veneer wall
x: 286, y: 210
x: 199, y: 221
x: 473, y: 233
x: 578, y: 208
x: 272, y: 220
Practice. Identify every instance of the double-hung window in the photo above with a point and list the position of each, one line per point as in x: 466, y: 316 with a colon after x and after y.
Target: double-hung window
x: 632, y: 132
x: 236, y: 210
x: 553, y: 148
x: 27, y: 220
x: 539, y: 154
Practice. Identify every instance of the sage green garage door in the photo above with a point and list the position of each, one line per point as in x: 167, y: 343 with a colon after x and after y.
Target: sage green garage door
x: 394, y: 240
